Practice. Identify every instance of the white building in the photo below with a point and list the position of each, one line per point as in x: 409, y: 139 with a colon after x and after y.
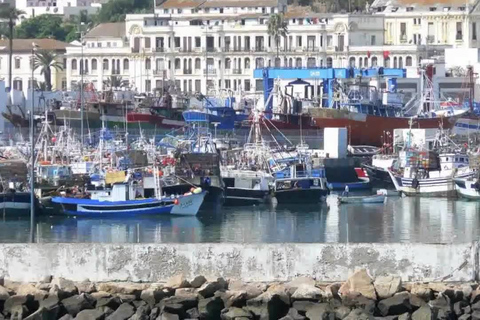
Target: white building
x: 196, y: 43
x: 66, y: 8
x: 21, y: 63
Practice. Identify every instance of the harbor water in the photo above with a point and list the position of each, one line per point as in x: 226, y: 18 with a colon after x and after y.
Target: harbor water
x: 416, y: 220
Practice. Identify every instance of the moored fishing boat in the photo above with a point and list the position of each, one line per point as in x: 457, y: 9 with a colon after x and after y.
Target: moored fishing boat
x: 468, y: 188
x: 122, y: 200
x: 363, y: 199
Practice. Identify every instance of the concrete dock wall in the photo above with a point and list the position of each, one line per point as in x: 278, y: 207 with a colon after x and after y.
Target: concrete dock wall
x: 247, y: 262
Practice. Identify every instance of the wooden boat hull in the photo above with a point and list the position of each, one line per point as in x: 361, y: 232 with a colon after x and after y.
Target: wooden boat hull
x: 154, y: 120
x: 363, y: 200
x: 245, y: 197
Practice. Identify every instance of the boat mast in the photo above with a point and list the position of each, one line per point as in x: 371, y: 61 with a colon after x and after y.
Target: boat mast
x: 472, y: 87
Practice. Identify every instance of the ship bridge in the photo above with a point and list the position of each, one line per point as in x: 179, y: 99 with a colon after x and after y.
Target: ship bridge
x: 326, y: 76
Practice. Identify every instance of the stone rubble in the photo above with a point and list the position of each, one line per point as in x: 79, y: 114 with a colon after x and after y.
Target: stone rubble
x: 360, y: 297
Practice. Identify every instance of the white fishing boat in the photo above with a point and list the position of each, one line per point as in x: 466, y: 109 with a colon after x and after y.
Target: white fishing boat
x: 468, y: 188
x: 363, y: 199
x: 433, y: 180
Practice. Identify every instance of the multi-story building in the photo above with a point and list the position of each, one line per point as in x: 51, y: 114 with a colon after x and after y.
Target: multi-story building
x: 61, y: 7
x: 22, y: 63
x: 199, y: 44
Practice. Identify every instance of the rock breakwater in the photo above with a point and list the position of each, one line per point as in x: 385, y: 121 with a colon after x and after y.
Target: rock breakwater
x: 360, y: 297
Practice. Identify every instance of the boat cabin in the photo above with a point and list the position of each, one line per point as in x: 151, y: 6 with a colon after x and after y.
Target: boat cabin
x: 122, y: 191
x: 54, y: 175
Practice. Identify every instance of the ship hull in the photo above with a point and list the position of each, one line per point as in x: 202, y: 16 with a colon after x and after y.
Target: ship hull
x: 153, y: 120
x: 366, y: 129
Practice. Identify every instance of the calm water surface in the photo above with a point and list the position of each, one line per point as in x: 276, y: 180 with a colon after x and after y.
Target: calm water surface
x: 398, y: 220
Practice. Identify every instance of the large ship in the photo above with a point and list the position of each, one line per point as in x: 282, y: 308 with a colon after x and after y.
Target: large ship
x: 368, y: 113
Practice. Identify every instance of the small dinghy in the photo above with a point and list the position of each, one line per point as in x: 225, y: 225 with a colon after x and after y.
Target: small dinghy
x: 363, y: 199
x: 388, y: 192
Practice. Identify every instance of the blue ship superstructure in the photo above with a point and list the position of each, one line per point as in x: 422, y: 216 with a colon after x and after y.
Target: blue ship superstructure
x: 215, y: 111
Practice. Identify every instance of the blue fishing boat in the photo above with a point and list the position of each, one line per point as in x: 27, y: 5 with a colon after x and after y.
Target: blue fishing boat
x: 122, y: 200
x: 220, y: 112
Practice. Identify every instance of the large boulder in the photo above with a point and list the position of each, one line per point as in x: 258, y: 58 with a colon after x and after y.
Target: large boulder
x: 168, y: 316
x: 320, y: 311
x: 125, y: 311
x: 387, y: 286
x: 152, y: 296
x: 303, y: 305
x: 198, y: 282
x: 111, y: 302
x: 396, y: 305
x: 86, y: 287
x: 76, y: 303
x: 63, y: 287
x: 4, y: 295
x: 208, y: 289
x: 130, y: 288
x: 252, y: 290
x: 355, y: 300
x: 293, y: 285
x: 421, y: 290
x: 232, y: 298
x: 308, y: 292
x: 92, y: 314
x: 442, y: 306
x: 210, y: 308
x: 359, y: 282
x: 51, y: 306
x: 359, y: 314
x: 28, y: 289
x: 272, y: 304
x: 234, y: 313
x: 423, y: 313
x: 185, y: 303
x: 177, y: 281
x: 15, y: 303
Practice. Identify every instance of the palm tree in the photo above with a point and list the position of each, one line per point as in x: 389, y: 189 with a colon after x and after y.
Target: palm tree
x: 115, y: 82
x: 46, y: 60
x: 277, y: 27
x: 11, y: 14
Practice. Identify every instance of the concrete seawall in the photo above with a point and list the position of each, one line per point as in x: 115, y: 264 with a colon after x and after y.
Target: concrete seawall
x: 246, y: 262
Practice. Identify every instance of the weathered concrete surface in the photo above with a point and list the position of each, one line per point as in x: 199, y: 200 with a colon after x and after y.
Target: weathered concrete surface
x: 247, y: 262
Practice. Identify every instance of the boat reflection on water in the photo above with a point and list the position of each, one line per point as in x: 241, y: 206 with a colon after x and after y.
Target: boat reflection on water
x: 398, y: 220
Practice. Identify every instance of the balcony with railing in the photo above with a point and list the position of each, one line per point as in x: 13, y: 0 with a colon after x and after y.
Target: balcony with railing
x: 187, y: 71
x: 209, y: 71
x: 158, y: 72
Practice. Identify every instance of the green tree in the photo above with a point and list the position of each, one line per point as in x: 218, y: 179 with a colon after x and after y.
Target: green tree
x: 115, y: 82
x: 46, y: 61
x: 11, y: 15
x: 277, y: 27
x: 116, y: 10
x: 42, y: 26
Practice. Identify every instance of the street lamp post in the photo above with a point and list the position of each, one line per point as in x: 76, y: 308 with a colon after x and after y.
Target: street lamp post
x: 32, y: 151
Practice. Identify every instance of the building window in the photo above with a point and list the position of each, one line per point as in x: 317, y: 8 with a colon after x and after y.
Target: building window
x: 64, y: 63
x: 177, y: 64
x: 299, y: 41
x: 459, y: 34
x: 177, y: 42
x: 198, y: 85
x: 247, y: 85
x: 408, y: 61
x: 64, y: 84
x: 74, y: 64
x: 329, y: 62
x: 147, y: 43
x: 374, y: 61
x: 227, y: 84
x: 18, y: 85
x: 474, y: 31
x: 105, y: 64
x: 94, y: 64
x: 228, y: 63
x: 386, y: 63
x: 148, y: 64
x: 259, y: 63
x: 373, y: 40
x: 126, y: 64
x: 311, y: 63
x: 247, y: 63
x: 198, y: 64
x: 298, y: 63
x: 17, y: 63
x: 403, y: 32
x: 198, y: 42
x: 148, y: 85
x: 351, y: 63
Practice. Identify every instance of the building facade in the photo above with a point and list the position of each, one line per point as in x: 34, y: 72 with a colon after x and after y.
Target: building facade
x: 22, y: 63
x: 196, y: 46
x: 66, y: 8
